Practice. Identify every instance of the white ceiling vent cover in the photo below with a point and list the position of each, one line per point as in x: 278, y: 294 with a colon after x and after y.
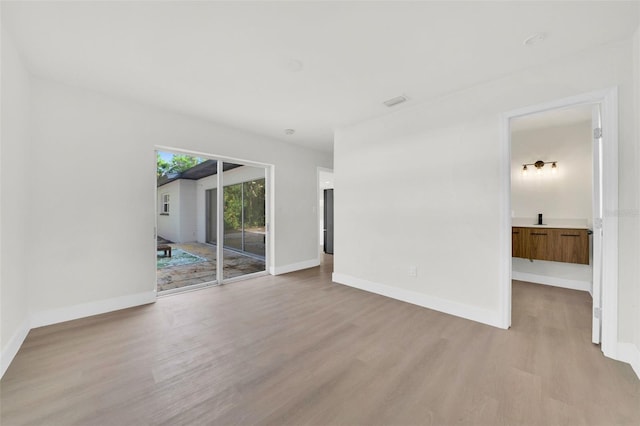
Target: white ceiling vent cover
x: 395, y: 101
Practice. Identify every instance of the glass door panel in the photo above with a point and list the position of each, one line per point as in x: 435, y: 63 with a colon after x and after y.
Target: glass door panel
x: 254, y: 236
x: 233, y: 216
x: 244, y: 221
x: 185, y: 256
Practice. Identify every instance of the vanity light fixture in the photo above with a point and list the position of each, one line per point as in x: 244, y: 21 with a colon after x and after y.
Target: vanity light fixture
x: 539, y: 165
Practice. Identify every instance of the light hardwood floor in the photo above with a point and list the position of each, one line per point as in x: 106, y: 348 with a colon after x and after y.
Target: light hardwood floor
x: 297, y: 349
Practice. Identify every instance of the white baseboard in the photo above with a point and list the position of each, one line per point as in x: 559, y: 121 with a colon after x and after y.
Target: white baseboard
x: 54, y: 316
x: 553, y: 281
x: 629, y: 353
x: 472, y: 313
x: 277, y: 270
x: 13, y: 346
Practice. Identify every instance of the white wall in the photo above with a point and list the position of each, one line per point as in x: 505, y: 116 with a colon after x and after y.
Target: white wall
x: 103, y: 150
x: 233, y: 176
x: 563, y: 195
x: 179, y: 226
x: 15, y: 229
x: 435, y: 204
x: 169, y: 224
x: 636, y: 308
x: 187, y: 211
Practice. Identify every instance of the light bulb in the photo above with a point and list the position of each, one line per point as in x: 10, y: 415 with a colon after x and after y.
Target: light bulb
x: 554, y: 168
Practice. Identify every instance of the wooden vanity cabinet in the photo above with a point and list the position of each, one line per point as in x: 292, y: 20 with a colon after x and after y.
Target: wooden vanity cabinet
x: 518, y: 245
x: 572, y: 247
x: 540, y: 244
x: 553, y: 244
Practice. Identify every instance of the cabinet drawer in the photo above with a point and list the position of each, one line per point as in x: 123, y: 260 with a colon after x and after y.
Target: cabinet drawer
x: 540, y: 244
x: 571, y: 245
x: 553, y: 244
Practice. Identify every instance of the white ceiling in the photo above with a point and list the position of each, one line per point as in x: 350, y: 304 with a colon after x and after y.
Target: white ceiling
x: 310, y: 66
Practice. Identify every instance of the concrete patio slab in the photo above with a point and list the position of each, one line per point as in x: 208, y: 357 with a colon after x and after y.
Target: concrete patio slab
x: 235, y: 265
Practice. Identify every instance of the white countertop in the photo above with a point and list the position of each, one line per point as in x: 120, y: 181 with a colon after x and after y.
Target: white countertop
x: 550, y: 223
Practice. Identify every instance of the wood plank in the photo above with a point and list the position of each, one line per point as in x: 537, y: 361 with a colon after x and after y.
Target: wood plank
x: 298, y: 349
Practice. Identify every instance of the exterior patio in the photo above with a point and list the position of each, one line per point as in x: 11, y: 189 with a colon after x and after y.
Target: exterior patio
x: 204, y: 269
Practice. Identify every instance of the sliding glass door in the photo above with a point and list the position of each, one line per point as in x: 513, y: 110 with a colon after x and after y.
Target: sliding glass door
x: 244, y: 221
x: 244, y: 217
x: 211, y: 221
x: 254, y: 224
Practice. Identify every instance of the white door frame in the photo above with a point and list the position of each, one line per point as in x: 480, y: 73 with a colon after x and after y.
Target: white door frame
x: 269, y: 174
x: 319, y: 211
x: 608, y: 100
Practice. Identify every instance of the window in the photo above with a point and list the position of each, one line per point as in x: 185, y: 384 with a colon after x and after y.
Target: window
x: 165, y: 204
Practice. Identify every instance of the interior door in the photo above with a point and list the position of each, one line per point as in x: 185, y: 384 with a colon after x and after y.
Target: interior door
x: 596, y: 124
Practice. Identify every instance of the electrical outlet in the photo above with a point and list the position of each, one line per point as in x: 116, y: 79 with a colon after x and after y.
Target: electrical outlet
x: 413, y: 271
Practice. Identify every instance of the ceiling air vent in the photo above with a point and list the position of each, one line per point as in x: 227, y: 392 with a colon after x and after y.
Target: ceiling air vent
x: 395, y: 101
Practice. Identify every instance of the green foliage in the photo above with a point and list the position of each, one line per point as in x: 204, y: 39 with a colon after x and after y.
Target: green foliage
x: 233, y: 206
x: 178, y: 164
x: 254, y: 194
x: 163, y: 166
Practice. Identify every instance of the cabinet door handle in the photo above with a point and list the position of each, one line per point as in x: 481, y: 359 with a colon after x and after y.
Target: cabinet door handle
x: 569, y: 235
x: 537, y: 233
x: 516, y: 232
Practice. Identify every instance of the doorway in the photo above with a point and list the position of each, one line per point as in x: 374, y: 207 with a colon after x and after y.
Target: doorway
x: 325, y: 213
x: 604, y: 240
x: 553, y: 179
x: 207, y: 236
